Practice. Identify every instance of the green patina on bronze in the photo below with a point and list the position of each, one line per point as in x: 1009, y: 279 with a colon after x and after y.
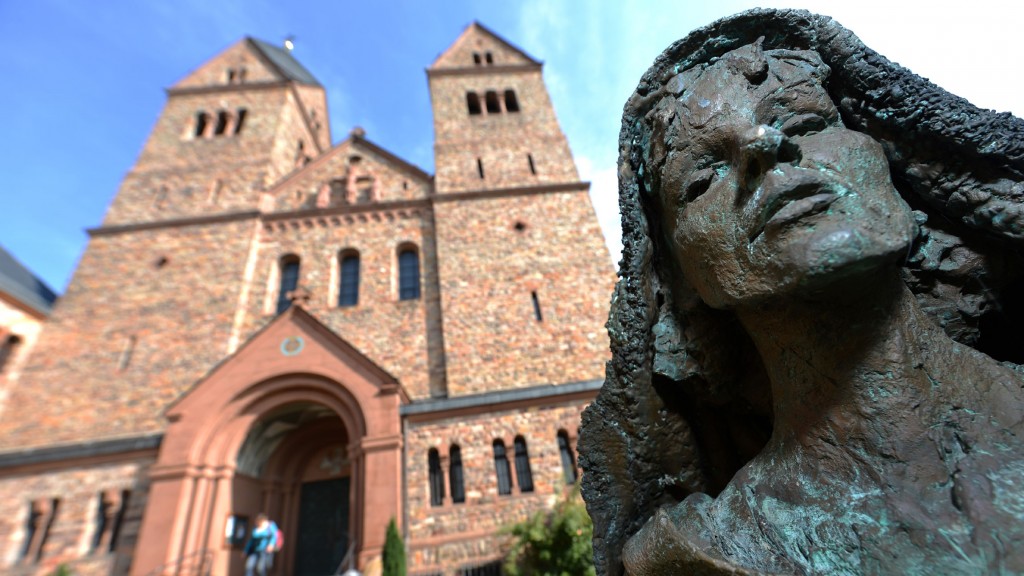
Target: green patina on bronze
x: 815, y: 335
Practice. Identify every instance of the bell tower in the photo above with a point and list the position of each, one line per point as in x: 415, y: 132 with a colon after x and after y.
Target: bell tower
x: 524, y: 274
x: 231, y: 127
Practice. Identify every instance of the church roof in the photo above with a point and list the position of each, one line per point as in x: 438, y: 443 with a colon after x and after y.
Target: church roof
x: 19, y: 283
x: 285, y: 63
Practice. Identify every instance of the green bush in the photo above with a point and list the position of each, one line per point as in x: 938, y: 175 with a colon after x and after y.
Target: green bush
x: 394, y: 552
x: 555, y: 542
x: 62, y: 570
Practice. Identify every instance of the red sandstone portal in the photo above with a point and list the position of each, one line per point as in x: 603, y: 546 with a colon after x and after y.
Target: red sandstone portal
x: 296, y: 424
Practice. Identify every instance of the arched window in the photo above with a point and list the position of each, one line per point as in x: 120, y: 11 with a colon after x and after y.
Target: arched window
x: 241, y: 119
x: 511, y: 104
x: 476, y: 58
x: 202, y: 121
x: 222, y: 123
x: 489, y: 57
x: 473, y: 102
x: 501, y: 468
x: 491, y: 99
x: 348, y: 288
x: 455, y: 478
x: 7, y: 349
x: 408, y: 274
x: 524, y: 477
x: 289, y: 281
x: 436, y: 477
x: 568, y: 461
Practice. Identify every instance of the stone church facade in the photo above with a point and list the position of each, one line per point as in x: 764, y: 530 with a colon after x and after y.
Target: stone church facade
x: 265, y: 321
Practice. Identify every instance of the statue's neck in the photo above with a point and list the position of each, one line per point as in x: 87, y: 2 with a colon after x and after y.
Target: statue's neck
x: 839, y: 361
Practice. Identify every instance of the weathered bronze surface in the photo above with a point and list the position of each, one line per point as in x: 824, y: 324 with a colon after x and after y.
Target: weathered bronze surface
x: 816, y: 335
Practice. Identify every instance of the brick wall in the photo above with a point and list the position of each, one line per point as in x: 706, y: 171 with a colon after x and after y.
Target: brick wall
x: 489, y: 270
x: 71, y: 535
x: 454, y: 534
x: 130, y: 335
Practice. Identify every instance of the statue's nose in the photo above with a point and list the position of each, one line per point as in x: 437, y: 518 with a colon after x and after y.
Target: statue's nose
x: 759, y: 152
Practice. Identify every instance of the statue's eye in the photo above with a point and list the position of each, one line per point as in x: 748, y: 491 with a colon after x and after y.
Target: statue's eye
x: 699, y: 183
x: 803, y: 124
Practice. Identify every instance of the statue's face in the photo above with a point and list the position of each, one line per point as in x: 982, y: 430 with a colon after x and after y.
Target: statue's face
x: 765, y: 192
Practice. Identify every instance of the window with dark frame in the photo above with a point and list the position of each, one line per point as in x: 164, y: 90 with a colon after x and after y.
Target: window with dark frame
x: 476, y: 58
x: 222, y: 123
x: 455, y: 477
x: 511, y: 103
x: 502, y: 469
x: 568, y: 460
x: 489, y: 57
x: 289, y: 281
x: 32, y: 526
x: 524, y: 476
x: 408, y: 274
x: 491, y: 101
x: 122, y: 512
x: 436, y: 477
x: 202, y: 120
x: 241, y: 119
x: 348, y: 288
x: 473, y: 103
x: 104, y: 514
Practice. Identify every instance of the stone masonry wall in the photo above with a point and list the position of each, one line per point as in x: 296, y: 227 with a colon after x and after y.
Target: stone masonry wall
x: 146, y: 314
x: 451, y: 535
x: 391, y: 332
x: 73, y: 532
x: 489, y: 270
x: 501, y: 141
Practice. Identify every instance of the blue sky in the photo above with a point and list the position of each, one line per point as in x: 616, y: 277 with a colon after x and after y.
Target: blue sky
x: 82, y: 81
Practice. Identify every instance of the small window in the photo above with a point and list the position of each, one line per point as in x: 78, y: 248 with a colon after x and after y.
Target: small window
x: 104, y: 514
x: 40, y: 520
x: 202, y: 121
x: 122, y: 511
x: 289, y: 282
x: 480, y: 168
x: 523, y: 474
x: 473, y: 103
x: 533, y: 168
x: 501, y: 468
x: 222, y: 123
x: 489, y: 57
x: 436, y: 477
x: 476, y: 58
x: 408, y: 274
x: 455, y: 478
x: 231, y: 75
x: 348, y: 289
x: 7, y: 350
x: 364, y: 189
x: 32, y: 525
x: 536, y: 307
x: 491, y: 100
x: 241, y: 75
x: 241, y: 119
x: 568, y: 461
x: 511, y: 104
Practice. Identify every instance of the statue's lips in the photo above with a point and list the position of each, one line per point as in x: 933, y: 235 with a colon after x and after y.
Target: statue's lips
x: 790, y: 196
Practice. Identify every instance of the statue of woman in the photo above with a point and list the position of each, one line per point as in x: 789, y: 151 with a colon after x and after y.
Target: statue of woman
x: 821, y: 252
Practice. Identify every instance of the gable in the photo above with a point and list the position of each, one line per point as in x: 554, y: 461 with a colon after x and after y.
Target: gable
x: 293, y: 343
x: 475, y: 46
x: 248, y: 61
x: 355, y: 172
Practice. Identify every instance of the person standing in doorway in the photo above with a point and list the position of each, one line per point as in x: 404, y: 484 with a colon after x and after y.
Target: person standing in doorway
x: 259, y: 551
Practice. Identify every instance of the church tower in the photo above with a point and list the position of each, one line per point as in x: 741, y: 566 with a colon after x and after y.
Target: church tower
x: 525, y: 275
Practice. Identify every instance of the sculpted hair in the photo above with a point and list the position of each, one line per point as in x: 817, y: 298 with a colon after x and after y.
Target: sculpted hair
x: 686, y: 401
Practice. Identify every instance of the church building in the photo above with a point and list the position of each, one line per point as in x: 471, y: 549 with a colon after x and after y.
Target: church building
x: 267, y: 321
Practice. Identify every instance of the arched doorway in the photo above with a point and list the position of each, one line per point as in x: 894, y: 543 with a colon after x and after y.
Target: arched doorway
x: 299, y: 460
x: 296, y: 415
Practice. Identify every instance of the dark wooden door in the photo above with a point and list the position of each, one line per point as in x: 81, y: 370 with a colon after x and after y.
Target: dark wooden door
x: 323, y: 527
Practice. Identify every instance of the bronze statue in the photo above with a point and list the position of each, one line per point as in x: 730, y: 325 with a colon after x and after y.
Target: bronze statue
x: 816, y: 332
